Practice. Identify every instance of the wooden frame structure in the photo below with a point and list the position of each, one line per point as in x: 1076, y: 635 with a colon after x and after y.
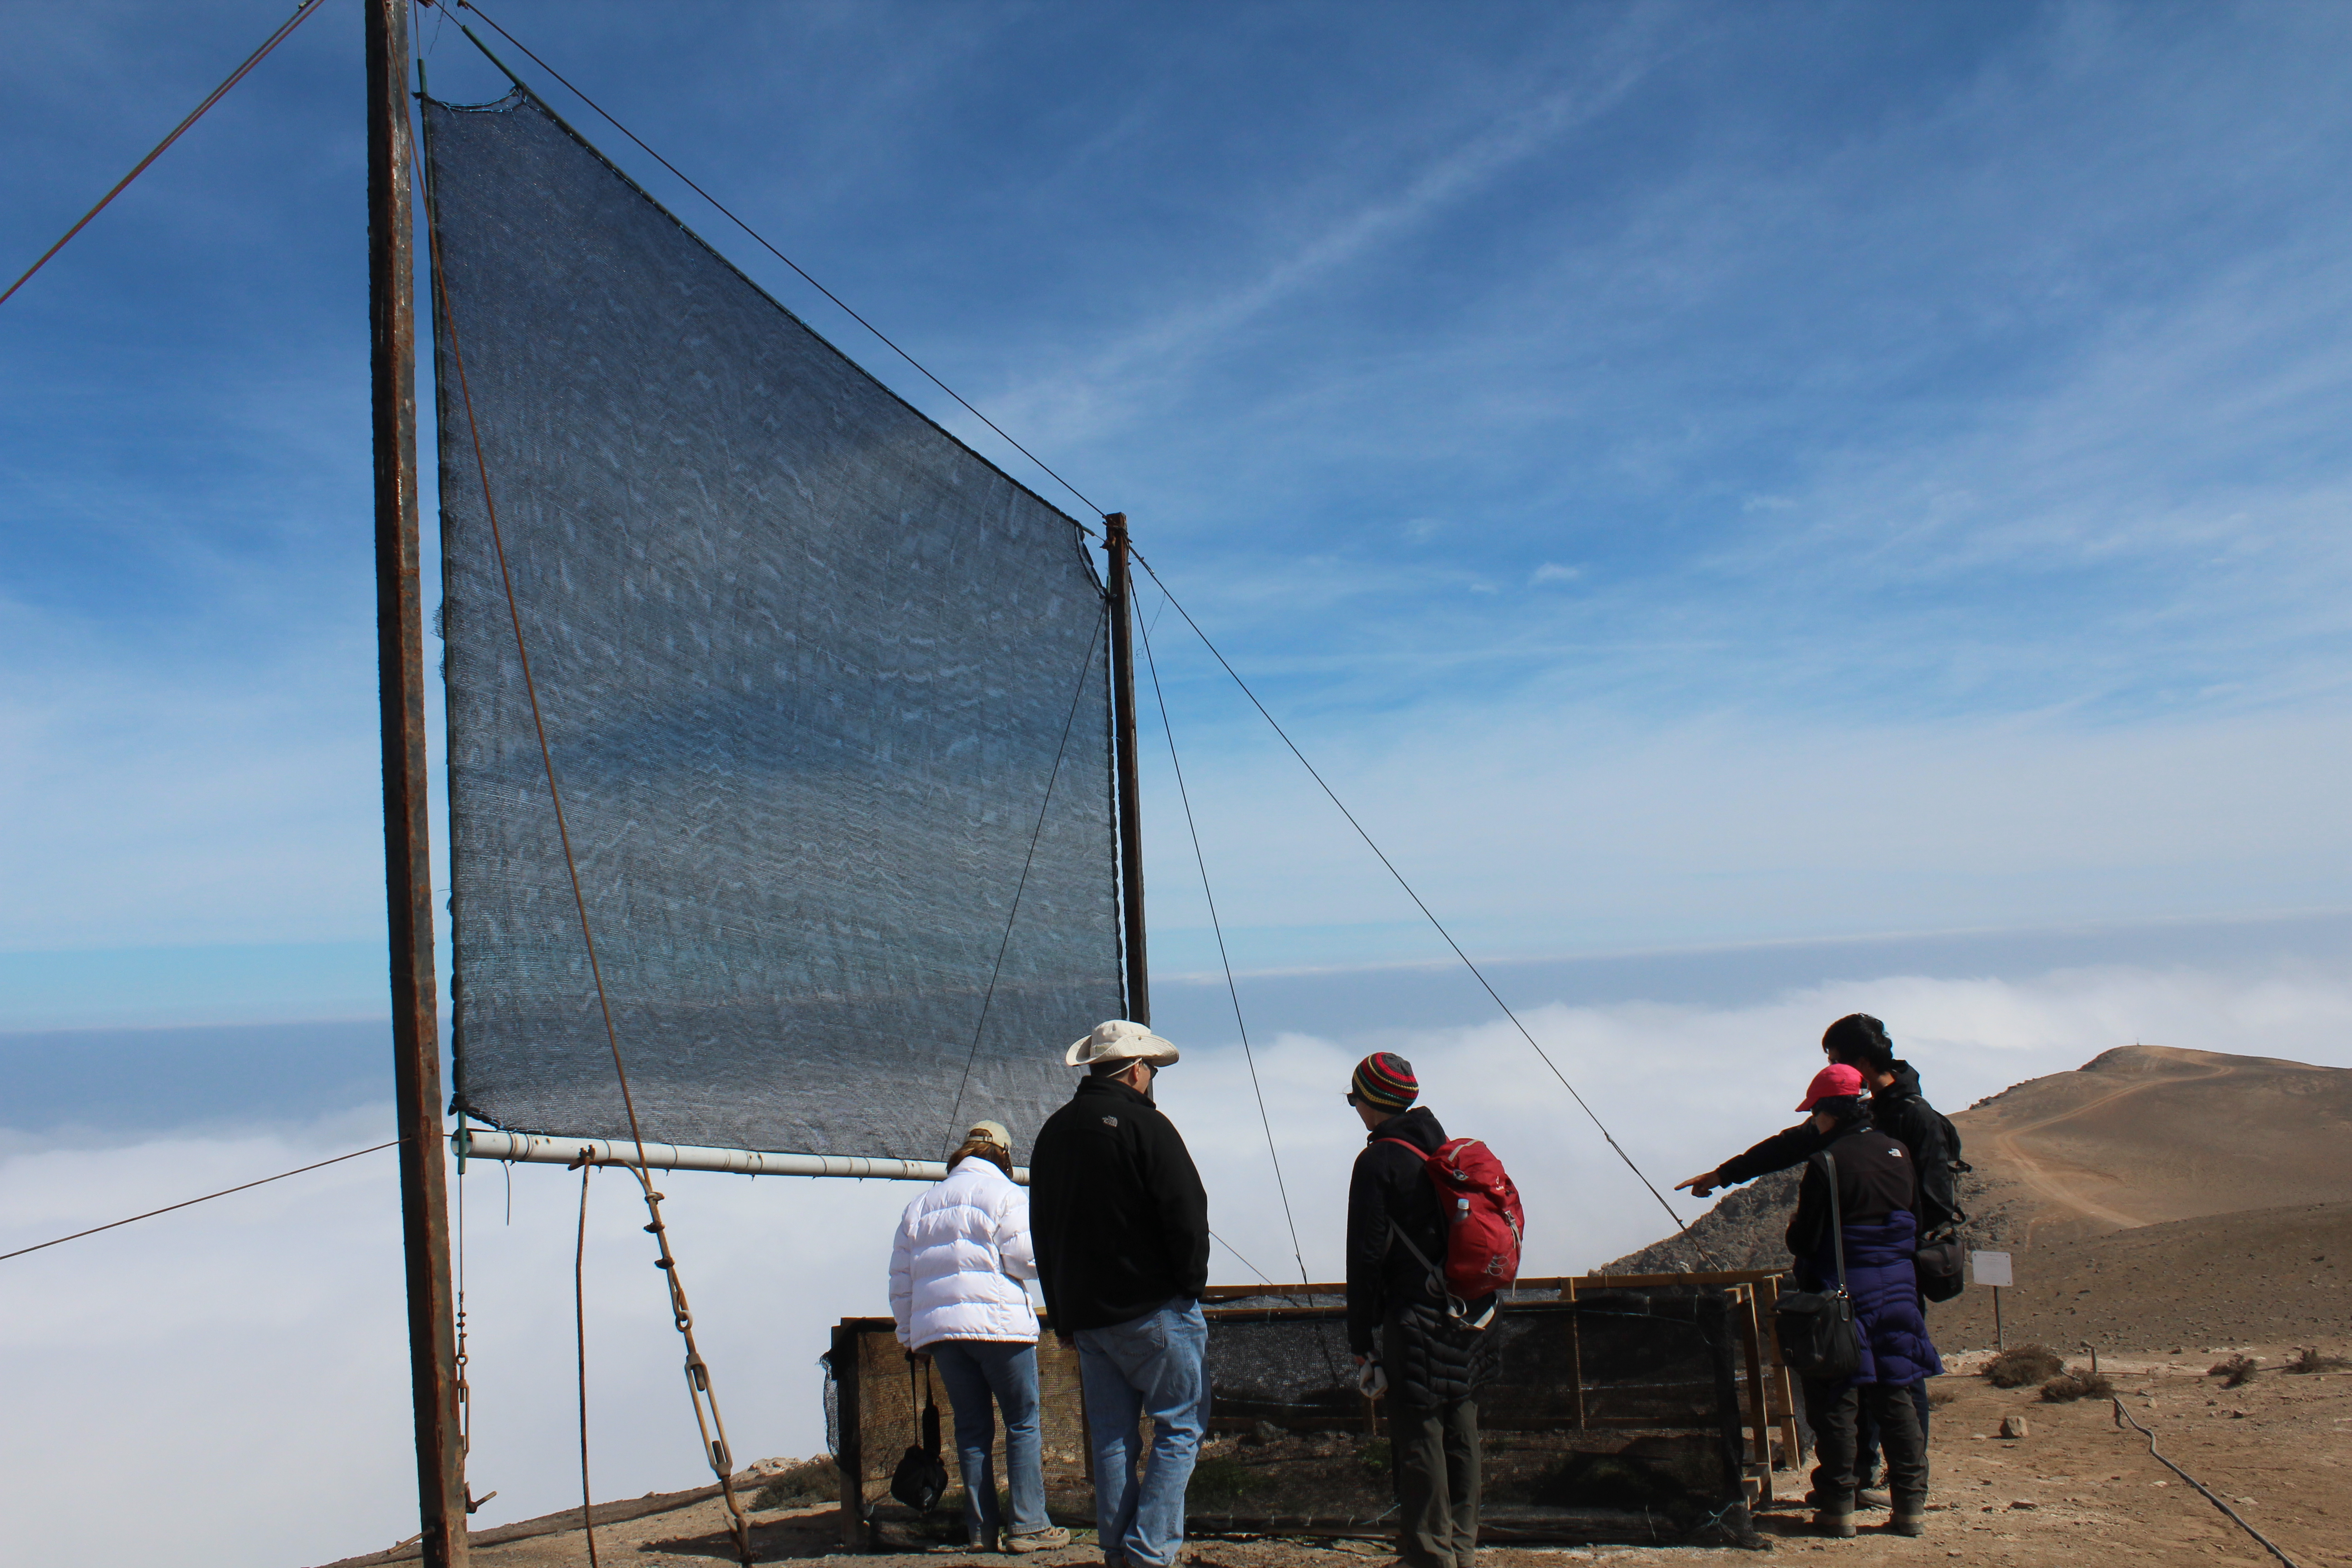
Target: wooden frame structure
x: 865, y: 1351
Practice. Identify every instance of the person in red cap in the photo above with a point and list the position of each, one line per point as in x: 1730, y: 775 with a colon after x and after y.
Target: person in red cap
x: 1430, y: 1365
x: 1869, y: 1255
x: 1860, y: 1042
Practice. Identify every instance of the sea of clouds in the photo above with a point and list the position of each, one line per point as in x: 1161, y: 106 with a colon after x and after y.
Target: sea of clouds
x: 240, y: 1367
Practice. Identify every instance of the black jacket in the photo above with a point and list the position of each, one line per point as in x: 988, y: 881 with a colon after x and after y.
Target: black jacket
x: 1391, y: 1186
x: 1116, y: 1209
x: 1875, y: 1175
x: 1431, y: 1361
x: 1899, y: 1109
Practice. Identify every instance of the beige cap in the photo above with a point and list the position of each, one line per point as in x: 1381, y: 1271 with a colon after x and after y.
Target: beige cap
x: 1117, y: 1041
x: 991, y: 1131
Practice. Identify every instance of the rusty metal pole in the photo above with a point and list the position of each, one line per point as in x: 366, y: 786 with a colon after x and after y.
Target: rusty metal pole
x: 1131, y: 787
x: 408, y: 870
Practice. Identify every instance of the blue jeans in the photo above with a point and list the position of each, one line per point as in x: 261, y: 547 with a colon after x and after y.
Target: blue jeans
x: 1153, y: 1365
x: 975, y: 1370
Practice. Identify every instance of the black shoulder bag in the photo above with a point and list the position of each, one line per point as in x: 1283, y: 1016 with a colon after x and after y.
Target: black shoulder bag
x: 1816, y: 1328
x: 922, y: 1478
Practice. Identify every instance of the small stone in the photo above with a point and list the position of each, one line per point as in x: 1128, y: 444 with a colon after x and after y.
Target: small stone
x: 2237, y: 1415
x: 2020, y: 1502
x: 2245, y: 1501
x: 2014, y: 1427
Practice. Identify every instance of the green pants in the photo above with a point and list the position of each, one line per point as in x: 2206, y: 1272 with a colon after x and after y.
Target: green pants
x: 1436, y: 1451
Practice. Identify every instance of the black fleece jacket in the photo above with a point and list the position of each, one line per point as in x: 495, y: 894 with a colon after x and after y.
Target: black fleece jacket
x: 1116, y: 1209
x: 1898, y: 1108
x: 1392, y: 1184
x: 1876, y: 1177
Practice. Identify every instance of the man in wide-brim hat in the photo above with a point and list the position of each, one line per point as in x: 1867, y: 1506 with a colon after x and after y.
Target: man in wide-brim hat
x: 1121, y: 1226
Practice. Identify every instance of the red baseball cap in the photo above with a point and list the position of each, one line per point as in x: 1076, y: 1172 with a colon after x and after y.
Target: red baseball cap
x: 1829, y: 1083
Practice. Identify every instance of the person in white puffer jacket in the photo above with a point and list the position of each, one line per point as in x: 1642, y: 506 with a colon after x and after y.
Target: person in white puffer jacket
x: 959, y: 1270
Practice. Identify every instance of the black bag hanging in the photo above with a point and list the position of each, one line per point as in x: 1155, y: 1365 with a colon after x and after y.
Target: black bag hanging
x: 921, y: 1480
x: 1816, y: 1328
x: 1937, y: 1265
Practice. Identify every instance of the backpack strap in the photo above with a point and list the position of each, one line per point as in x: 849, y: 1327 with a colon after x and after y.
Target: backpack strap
x: 1837, y: 1213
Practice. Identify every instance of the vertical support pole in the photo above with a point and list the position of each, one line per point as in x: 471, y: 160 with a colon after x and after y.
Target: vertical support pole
x: 849, y: 1393
x: 1999, y: 1343
x: 1130, y: 786
x: 1784, y: 1389
x: 1575, y: 1354
x: 408, y: 870
x: 1760, y: 1419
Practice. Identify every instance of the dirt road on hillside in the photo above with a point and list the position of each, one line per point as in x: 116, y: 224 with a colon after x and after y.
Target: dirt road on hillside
x: 2059, y: 1181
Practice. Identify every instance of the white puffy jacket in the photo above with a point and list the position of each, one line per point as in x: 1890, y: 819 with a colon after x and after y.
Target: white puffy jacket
x: 961, y: 1254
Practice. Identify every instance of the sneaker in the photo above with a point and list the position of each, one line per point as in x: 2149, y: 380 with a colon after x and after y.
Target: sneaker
x: 1045, y: 1540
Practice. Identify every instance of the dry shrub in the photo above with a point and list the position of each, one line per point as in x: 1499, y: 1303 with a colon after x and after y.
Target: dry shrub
x: 1940, y: 1395
x: 2026, y: 1363
x: 2308, y: 1359
x: 814, y: 1481
x: 2069, y: 1386
x: 2235, y: 1372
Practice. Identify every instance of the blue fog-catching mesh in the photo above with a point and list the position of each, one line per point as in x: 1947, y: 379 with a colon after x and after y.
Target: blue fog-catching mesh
x: 808, y: 667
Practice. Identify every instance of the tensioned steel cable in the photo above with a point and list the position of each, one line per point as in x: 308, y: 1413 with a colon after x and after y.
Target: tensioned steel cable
x: 2122, y: 1415
x: 761, y: 240
x: 698, y: 1377
x: 302, y: 14
x: 1681, y: 1227
x: 208, y: 1197
x: 1200, y: 859
x: 956, y: 1110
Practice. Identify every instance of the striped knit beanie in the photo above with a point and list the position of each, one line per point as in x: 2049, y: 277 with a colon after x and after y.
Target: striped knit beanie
x: 1385, y: 1082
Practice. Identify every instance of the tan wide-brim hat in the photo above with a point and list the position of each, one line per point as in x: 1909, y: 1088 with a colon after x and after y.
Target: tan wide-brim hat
x: 1117, y: 1041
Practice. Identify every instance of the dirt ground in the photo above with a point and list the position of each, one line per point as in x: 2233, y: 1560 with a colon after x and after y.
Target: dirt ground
x: 2075, y: 1489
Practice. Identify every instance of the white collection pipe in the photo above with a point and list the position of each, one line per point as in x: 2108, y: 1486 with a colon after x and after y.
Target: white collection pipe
x: 531, y: 1148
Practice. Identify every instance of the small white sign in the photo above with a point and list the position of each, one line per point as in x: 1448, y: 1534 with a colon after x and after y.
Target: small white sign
x: 1991, y: 1267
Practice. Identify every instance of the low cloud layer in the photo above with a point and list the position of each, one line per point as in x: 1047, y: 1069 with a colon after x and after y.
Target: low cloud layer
x: 245, y: 1360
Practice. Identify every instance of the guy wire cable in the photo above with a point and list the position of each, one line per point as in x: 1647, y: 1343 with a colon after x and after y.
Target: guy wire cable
x: 167, y: 1209
x: 1169, y: 730
x: 697, y: 1373
x: 302, y: 14
x: 2122, y: 1415
x: 1012, y: 915
x: 761, y: 240
x: 1681, y: 1227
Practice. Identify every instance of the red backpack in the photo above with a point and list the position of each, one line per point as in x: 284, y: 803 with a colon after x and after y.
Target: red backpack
x: 1484, y: 1224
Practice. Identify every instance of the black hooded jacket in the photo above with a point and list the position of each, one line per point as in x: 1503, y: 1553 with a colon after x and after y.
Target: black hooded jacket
x: 1116, y: 1209
x: 1431, y: 1360
x: 1900, y: 1110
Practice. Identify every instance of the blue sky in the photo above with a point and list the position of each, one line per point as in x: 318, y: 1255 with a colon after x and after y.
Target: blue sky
x: 1762, y: 510
x: 1698, y: 475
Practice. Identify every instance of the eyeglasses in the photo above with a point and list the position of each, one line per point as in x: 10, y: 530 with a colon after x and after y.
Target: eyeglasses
x: 1352, y: 1099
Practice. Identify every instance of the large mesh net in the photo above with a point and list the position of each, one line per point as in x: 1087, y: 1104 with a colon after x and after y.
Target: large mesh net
x: 814, y: 674
x: 1614, y: 1417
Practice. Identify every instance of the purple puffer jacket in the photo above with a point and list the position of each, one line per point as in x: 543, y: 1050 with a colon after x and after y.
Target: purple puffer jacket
x: 1885, y: 1291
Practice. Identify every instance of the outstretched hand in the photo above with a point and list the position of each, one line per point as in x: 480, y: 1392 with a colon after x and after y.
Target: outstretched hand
x: 1701, y: 1185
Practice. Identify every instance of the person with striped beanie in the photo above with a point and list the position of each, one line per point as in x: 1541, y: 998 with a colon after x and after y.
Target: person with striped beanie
x: 1405, y: 1344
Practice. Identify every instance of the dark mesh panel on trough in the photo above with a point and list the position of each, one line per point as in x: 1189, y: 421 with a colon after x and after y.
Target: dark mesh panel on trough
x: 806, y: 664
x: 1614, y: 1417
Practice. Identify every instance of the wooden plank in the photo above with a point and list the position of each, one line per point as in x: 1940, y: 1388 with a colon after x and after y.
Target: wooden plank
x: 850, y: 1459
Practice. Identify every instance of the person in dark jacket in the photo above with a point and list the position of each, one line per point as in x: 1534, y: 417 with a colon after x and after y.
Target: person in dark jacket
x: 1121, y: 1228
x: 1896, y: 1107
x: 1429, y: 1364
x: 1870, y: 1257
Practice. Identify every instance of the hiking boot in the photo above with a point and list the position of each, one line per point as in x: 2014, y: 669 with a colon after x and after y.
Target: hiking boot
x: 1908, y: 1523
x: 1045, y: 1540
x: 1861, y: 1499
x: 1838, y: 1524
